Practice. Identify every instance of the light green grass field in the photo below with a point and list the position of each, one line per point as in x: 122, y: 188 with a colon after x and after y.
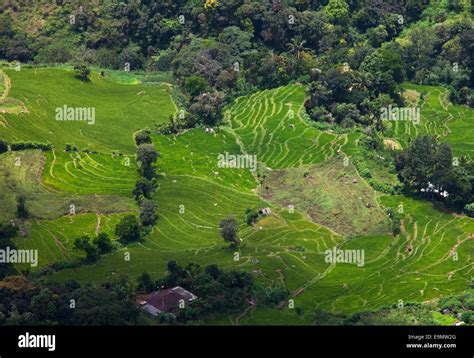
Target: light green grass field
x: 120, y: 110
x: 331, y: 194
x: 194, y: 195
x: 270, y: 125
x: 440, y: 118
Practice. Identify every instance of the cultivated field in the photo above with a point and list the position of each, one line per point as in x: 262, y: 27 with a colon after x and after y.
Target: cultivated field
x: 287, y: 247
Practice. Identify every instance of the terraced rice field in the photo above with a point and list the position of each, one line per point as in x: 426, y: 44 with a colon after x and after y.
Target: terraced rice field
x: 194, y: 194
x: 439, y: 117
x: 120, y: 110
x: 270, y: 125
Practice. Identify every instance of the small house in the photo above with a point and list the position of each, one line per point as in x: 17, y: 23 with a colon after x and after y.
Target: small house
x: 166, y: 300
x: 264, y: 211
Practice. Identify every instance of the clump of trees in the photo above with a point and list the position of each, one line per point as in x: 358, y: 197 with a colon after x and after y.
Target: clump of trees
x: 21, y: 209
x: 23, y: 302
x: 82, y: 72
x: 128, y: 229
x: 100, y: 245
x: 229, y: 231
x: 427, y: 168
x: 146, y: 157
x: 219, y: 292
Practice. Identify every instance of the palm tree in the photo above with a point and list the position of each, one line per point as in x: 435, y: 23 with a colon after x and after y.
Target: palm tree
x: 363, y: 81
x: 296, y: 46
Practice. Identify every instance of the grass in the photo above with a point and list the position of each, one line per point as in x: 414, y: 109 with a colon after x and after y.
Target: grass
x: 438, y: 117
x: 270, y: 125
x: 45, y: 202
x: 120, y: 110
x: 54, y: 239
x: 83, y: 173
x: 194, y: 195
x: 331, y: 194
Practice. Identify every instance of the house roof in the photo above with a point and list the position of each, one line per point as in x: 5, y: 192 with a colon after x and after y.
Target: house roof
x: 167, y: 300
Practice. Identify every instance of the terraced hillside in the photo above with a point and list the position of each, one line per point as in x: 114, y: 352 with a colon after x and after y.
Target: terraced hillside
x: 195, y: 194
x: 438, y: 117
x: 270, y: 125
x: 120, y: 110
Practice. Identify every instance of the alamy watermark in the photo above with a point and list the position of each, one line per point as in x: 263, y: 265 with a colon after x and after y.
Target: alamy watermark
x: 400, y: 114
x: 9, y: 255
x: 239, y: 161
x: 28, y: 340
x: 67, y: 113
x: 336, y: 255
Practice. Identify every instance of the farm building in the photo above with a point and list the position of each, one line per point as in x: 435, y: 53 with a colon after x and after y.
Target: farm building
x: 166, y: 300
x: 265, y: 211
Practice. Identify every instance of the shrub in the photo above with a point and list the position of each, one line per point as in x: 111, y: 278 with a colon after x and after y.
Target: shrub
x: 103, y: 243
x: 21, y: 210
x: 469, y: 209
x: 142, y: 137
x: 128, y: 229
x: 3, y: 146
x: 31, y: 145
x: 251, y: 216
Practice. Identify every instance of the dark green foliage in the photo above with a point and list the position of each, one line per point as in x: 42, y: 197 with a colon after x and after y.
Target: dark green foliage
x: 84, y: 243
x: 24, y: 303
x: 469, y: 209
x: 396, y: 223
x: 143, y: 187
x: 229, y: 230
x: 146, y: 157
x: 251, y: 216
x: 103, y: 243
x: 195, y: 85
x: 128, y: 229
x: 427, y: 167
x: 148, y: 215
x: 21, y: 209
x: 274, y: 295
x: 207, y: 108
x: 82, y: 72
x: 3, y: 146
x: 218, y: 291
x: 142, y: 137
x: 7, y: 233
x: 70, y: 148
x: 145, y: 283
x: 30, y: 145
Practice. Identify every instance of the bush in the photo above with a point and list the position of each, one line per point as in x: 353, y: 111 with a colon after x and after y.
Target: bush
x: 103, y: 243
x: 70, y: 148
x: 469, y: 209
x: 31, y: 145
x: 396, y: 226
x: 128, y: 229
x: 142, y: 137
x: 3, y: 146
x: 251, y: 216
x: 21, y: 210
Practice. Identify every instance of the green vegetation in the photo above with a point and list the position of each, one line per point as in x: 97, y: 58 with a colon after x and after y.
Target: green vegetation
x: 114, y: 139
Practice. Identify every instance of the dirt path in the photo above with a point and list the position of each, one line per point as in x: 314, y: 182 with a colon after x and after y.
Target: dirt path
x: 99, y: 220
x: 52, y: 164
x: 6, y: 85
